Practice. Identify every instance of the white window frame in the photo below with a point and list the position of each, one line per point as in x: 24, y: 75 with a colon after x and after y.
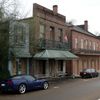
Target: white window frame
x: 86, y: 44
x: 82, y: 43
x: 42, y: 31
x: 76, y: 43
x: 90, y: 44
x: 94, y: 46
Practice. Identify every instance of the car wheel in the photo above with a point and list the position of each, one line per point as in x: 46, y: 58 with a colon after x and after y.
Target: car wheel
x: 97, y: 75
x: 45, y: 85
x: 22, y: 88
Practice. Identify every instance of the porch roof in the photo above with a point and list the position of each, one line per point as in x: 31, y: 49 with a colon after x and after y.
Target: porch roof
x: 23, y: 55
x: 55, y: 54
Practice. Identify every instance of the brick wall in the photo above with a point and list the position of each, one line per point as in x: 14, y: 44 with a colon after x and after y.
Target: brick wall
x: 86, y: 60
x: 47, y: 17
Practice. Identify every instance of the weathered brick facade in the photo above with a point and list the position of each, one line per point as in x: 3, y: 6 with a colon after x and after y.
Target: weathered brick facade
x: 48, y: 18
x: 51, y: 20
x: 48, y: 30
x: 86, y: 46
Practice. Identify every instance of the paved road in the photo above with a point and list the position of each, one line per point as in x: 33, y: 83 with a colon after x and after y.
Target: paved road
x: 77, y: 89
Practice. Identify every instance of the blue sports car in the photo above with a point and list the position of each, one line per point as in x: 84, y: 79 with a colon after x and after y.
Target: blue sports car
x: 23, y: 83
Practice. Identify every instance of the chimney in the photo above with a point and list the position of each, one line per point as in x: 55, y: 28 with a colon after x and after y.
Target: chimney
x: 55, y: 9
x: 86, y: 25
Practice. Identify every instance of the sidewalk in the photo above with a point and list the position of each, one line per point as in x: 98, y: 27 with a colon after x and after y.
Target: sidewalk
x: 62, y: 79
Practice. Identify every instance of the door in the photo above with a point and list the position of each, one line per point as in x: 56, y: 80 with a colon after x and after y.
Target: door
x: 31, y: 82
x: 60, y: 66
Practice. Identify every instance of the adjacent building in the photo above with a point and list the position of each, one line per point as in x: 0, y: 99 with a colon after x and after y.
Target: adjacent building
x: 86, y: 46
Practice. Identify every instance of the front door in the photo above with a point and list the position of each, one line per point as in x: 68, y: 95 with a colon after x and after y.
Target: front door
x: 60, y: 65
x: 42, y: 68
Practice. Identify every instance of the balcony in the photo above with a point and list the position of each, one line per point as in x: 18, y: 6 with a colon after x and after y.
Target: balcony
x: 49, y: 44
x: 86, y: 51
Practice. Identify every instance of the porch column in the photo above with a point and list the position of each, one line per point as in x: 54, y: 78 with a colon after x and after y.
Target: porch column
x: 17, y: 66
x: 47, y: 68
x: 56, y: 67
x: 64, y: 66
x: 27, y: 69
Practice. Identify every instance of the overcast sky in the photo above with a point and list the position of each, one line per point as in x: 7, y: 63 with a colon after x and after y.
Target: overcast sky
x: 74, y: 10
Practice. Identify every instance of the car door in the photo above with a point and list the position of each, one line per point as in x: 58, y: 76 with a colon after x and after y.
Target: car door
x: 31, y: 82
x: 93, y: 72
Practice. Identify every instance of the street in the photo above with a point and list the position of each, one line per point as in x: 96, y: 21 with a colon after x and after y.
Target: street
x: 70, y: 89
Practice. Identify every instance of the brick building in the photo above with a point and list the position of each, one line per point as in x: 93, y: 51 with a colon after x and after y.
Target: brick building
x: 45, y: 44
x: 86, y: 46
x: 39, y: 45
x: 50, y: 38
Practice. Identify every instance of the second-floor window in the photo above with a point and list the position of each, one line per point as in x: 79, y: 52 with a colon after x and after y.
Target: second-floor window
x: 97, y: 46
x: 82, y: 43
x: 52, y: 33
x: 90, y: 45
x: 76, y: 43
x: 86, y: 44
x: 42, y: 31
x: 19, y: 34
x: 94, y: 46
x: 60, y: 35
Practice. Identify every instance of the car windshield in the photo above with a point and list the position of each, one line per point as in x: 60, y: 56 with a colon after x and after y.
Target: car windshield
x: 22, y: 76
x: 30, y: 77
x: 89, y: 70
x: 15, y: 77
x: 86, y: 70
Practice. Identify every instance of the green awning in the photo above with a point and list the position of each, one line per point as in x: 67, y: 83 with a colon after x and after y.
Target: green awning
x: 55, y: 54
x: 23, y: 55
x: 20, y: 53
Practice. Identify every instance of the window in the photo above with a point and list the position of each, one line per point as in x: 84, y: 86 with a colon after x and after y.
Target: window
x: 88, y: 70
x: 97, y: 46
x: 52, y: 35
x: 82, y: 43
x: 16, y: 77
x: 90, y: 44
x: 93, y: 63
x: 60, y: 34
x: 86, y: 44
x: 93, y: 70
x: 94, y: 46
x: 19, y: 34
x: 42, y: 30
x: 29, y: 78
x: 76, y: 43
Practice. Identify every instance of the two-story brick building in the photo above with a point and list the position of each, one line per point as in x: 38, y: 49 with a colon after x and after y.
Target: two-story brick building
x: 39, y: 44
x: 50, y: 38
x: 86, y: 46
x: 45, y: 44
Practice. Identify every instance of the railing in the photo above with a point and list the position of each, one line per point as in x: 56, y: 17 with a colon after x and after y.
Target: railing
x: 49, y: 44
x: 59, y: 74
x: 86, y: 51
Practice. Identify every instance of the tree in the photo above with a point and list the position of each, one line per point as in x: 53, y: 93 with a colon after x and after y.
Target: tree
x: 8, y: 11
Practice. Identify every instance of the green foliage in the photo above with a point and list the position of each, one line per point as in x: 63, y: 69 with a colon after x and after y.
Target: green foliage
x: 4, y: 73
x: 8, y: 12
x: 4, y: 44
